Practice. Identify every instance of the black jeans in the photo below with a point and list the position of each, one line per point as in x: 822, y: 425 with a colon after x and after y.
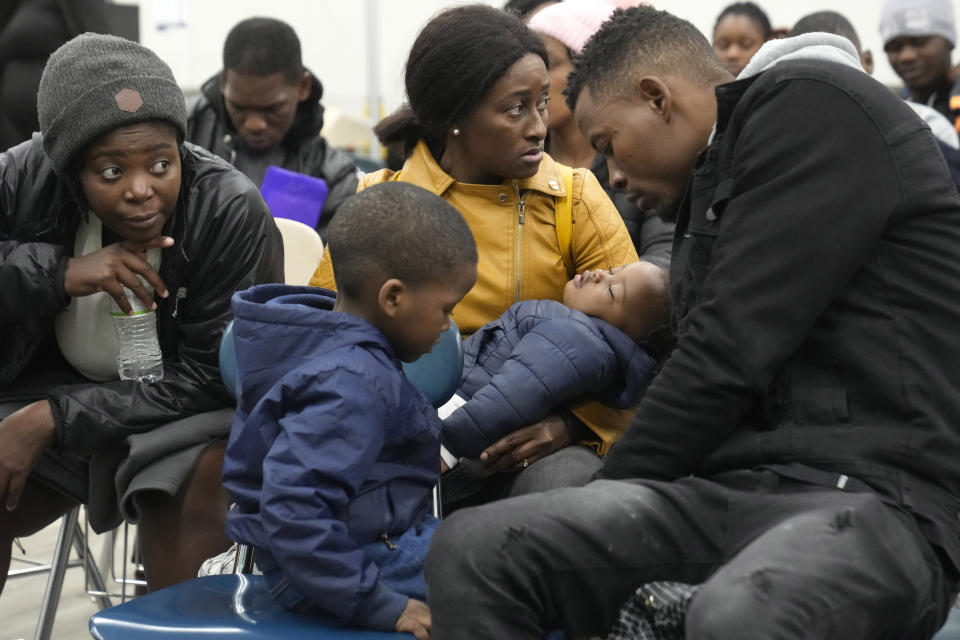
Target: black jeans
x: 779, y: 558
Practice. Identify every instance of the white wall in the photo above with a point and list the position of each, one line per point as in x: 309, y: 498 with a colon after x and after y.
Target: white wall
x: 333, y: 33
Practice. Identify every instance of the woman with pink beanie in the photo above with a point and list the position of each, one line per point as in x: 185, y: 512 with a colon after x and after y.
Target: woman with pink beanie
x: 564, y: 28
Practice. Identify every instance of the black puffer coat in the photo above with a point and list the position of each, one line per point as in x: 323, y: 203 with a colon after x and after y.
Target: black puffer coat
x: 225, y: 240
x: 815, y: 291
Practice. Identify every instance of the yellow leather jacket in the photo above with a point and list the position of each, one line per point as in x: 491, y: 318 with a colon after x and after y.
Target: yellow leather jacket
x: 515, y: 229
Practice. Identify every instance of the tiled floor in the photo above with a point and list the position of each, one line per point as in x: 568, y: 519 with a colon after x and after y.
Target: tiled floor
x: 21, y: 598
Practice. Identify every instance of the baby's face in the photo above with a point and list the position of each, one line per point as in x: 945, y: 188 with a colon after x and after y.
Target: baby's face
x: 616, y: 296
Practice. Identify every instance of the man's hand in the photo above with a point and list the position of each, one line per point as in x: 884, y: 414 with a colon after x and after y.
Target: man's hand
x: 415, y: 619
x: 527, y: 445
x: 24, y: 435
x: 112, y: 266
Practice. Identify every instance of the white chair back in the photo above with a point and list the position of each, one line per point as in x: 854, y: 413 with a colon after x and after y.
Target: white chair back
x: 302, y: 250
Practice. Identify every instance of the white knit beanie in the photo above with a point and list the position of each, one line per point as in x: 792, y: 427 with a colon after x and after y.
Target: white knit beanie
x: 917, y: 18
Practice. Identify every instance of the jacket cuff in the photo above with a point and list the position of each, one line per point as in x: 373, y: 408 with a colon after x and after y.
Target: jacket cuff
x: 59, y: 437
x: 380, y: 609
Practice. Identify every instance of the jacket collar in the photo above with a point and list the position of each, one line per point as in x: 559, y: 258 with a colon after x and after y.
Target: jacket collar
x: 635, y: 364
x: 421, y: 169
x: 808, y: 46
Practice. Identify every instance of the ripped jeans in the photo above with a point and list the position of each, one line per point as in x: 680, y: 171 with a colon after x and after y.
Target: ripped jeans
x: 778, y: 558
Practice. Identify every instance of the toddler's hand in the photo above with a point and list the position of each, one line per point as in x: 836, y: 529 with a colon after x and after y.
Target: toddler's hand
x: 415, y: 619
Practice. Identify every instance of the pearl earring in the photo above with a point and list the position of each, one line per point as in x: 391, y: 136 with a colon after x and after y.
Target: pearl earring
x: 456, y: 132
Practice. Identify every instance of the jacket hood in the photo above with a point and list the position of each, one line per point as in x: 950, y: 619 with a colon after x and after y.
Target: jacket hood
x: 306, y: 124
x: 635, y: 366
x: 827, y: 46
x: 279, y: 327
x: 808, y: 46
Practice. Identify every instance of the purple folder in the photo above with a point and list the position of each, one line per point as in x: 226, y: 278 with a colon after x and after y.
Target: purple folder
x: 294, y: 195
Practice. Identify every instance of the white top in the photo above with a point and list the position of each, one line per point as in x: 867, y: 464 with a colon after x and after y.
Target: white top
x: 84, y: 330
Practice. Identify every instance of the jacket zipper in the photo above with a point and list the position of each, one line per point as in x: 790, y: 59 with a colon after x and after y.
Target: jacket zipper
x: 387, y: 523
x: 520, y: 220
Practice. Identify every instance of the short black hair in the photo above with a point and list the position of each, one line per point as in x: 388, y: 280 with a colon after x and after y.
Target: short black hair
x: 756, y: 15
x: 639, y: 41
x: 521, y: 8
x: 458, y: 56
x: 827, y: 22
x: 262, y: 47
x: 397, y: 230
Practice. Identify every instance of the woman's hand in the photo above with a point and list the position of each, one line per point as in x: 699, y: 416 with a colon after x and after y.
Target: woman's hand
x: 527, y: 445
x: 24, y: 435
x: 112, y: 266
x: 415, y: 619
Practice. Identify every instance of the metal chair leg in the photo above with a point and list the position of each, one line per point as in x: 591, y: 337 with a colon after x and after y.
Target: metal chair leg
x: 106, y: 553
x: 92, y: 574
x: 58, y: 567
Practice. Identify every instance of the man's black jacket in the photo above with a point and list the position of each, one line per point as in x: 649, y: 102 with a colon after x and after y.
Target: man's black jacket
x: 816, y: 291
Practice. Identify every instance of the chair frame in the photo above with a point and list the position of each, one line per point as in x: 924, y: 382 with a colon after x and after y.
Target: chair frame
x: 71, y: 534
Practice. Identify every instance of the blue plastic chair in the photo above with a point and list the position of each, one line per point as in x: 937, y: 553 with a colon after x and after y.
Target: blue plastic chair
x: 227, y: 606
x: 239, y: 606
x: 437, y: 374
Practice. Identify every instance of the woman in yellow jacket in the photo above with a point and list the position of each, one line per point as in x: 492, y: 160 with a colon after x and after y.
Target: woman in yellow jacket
x: 473, y: 133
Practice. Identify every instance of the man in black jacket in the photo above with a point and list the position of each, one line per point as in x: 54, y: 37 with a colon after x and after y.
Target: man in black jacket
x: 796, y: 452
x: 106, y: 195
x: 264, y: 109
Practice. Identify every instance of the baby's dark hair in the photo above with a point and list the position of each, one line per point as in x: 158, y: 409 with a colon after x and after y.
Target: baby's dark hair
x: 453, y: 63
x: 263, y: 46
x: 639, y: 41
x: 748, y: 9
x: 827, y: 22
x: 397, y: 230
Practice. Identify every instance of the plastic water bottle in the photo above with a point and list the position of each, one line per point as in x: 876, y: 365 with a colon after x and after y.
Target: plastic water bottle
x: 139, y: 357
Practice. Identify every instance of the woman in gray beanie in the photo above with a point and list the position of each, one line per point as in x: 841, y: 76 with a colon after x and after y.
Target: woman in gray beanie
x: 107, y: 194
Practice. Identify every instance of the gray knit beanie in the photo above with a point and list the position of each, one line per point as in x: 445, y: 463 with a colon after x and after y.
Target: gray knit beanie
x: 96, y: 83
x: 917, y: 18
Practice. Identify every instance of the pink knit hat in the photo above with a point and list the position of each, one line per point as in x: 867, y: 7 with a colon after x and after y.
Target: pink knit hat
x: 572, y: 22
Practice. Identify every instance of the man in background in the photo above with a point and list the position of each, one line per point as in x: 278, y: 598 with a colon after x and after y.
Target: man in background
x: 918, y: 37
x: 264, y: 109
